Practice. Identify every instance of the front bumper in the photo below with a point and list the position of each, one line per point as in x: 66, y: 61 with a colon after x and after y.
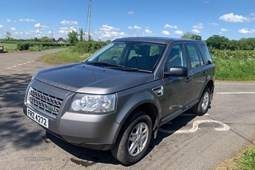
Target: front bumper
x: 93, y: 131
x: 86, y: 130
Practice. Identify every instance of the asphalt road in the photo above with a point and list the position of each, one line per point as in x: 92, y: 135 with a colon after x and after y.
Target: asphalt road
x: 188, y: 142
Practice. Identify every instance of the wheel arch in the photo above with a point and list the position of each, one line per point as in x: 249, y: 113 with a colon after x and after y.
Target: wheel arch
x: 210, y: 85
x: 149, y: 107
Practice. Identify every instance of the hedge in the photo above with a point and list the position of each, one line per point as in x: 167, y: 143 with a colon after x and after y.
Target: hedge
x: 28, y: 45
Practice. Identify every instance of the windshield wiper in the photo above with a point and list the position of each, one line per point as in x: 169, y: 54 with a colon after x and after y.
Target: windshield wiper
x: 98, y: 63
x: 124, y: 68
x: 119, y: 67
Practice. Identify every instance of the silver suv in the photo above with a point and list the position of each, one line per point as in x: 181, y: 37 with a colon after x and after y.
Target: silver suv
x: 119, y: 97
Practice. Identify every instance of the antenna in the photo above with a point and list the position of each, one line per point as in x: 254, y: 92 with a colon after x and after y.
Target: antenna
x: 89, y: 19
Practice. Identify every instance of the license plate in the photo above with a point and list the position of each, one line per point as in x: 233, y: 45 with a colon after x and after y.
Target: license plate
x: 38, y: 118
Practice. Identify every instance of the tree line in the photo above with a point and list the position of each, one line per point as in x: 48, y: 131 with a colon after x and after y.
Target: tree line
x: 76, y: 38
x: 223, y: 43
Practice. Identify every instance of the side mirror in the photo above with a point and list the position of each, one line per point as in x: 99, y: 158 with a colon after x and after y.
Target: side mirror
x: 177, y: 72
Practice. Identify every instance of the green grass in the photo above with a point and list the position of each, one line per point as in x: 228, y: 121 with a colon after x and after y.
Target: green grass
x: 63, y: 57
x: 9, y: 47
x: 234, y: 65
x: 247, y: 160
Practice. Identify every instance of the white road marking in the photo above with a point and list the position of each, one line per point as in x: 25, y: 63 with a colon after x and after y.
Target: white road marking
x: 229, y: 93
x: 195, y: 127
x: 21, y: 64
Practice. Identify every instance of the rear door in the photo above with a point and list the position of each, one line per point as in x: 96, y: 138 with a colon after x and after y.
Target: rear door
x: 197, y: 74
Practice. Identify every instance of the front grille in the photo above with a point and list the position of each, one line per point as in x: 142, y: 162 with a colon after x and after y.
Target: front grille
x: 44, y: 101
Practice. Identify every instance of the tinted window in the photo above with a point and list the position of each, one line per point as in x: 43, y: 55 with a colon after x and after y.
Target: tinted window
x: 139, y: 55
x: 144, y: 55
x: 195, y: 57
x: 176, y: 57
x: 206, y: 53
x: 113, y: 53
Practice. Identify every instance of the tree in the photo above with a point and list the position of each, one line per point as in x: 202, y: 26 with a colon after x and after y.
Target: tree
x: 36, y: 39
x: 81, y: 35
x: 45, y: 39
x: 72, y: 38
x: 108, y: 41
x: 218, y: 42
x: 233, y: 45
x: 8, y: 36
x: 190, y: 35
x: 247, y: 43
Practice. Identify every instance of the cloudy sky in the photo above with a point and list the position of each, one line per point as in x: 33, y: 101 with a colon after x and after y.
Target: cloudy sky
x: 25, y: 19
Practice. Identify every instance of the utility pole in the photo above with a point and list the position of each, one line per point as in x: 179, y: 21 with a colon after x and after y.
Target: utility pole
x: 89, y: 19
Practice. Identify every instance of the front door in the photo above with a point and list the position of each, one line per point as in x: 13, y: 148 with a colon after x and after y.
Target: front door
x: 176, y: 89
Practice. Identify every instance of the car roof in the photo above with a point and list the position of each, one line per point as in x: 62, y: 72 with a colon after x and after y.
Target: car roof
x: 162, y: 40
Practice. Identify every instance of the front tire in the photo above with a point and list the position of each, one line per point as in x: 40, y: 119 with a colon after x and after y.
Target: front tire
x: 204, y: 103
x: 134, y: 139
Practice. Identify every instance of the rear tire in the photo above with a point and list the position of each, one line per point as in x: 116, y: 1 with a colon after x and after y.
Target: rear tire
x: 134, y: 139
x: 204, y: 103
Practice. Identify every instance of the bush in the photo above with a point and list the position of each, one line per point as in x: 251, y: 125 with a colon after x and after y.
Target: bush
x: 23, y: 46
x: 81, y: 47
x: 36, y: 48
x: 234, y: 65
x: 87, y: 47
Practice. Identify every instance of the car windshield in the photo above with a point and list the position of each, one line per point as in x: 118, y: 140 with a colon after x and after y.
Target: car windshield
x: 128, y: 56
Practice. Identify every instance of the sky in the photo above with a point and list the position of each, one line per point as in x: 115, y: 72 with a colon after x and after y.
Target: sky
x: 25, y: 19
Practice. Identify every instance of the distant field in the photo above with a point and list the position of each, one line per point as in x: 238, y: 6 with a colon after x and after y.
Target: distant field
x: 9, y: 47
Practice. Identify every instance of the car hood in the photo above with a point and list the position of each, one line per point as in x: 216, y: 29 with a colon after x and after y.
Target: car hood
x: 92, y: 79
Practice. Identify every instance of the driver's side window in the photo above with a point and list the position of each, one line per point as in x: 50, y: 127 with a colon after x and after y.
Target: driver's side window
x: 176, y: 58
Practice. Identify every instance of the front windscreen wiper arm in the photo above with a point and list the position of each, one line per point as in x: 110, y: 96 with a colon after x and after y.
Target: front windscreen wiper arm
x: 119, y: 67
x: 98, y: 63
x: 124, y: 68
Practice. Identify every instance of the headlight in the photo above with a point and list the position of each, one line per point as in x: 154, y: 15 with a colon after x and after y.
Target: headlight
x: 93, y: 103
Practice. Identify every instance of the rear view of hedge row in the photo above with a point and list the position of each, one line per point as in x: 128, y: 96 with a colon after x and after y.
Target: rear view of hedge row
x: 44, y: 45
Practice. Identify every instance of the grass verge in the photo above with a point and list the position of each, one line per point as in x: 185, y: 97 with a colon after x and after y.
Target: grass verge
x: 9, y: 47
x: 234, y: 65
x: 247, y: 160
x: 244, y: 160
x: 63, y: 57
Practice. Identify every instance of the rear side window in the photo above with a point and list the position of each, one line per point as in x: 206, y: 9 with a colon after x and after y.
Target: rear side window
x: 195, y: 57
x: 206, y: 53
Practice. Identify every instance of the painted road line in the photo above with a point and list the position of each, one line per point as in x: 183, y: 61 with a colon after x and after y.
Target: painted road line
x: 229, y: 93
x: 21, y: 64
x: 195, y: 127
